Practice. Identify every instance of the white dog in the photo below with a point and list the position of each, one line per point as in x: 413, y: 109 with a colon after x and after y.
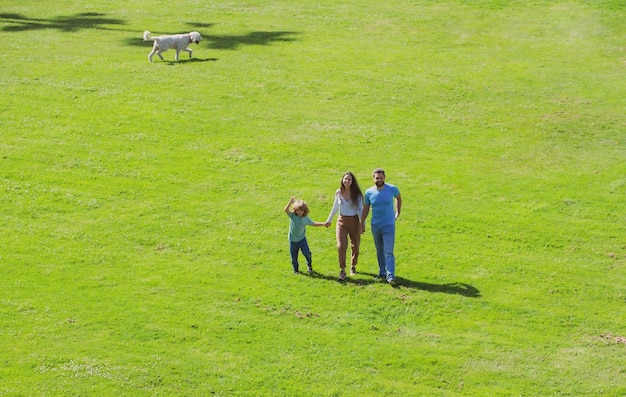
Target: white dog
x: 176, y: 41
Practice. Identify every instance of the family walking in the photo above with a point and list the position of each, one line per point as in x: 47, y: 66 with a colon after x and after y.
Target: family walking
x: 353, y: 207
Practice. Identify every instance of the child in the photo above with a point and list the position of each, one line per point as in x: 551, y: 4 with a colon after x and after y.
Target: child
x: 298, y: 221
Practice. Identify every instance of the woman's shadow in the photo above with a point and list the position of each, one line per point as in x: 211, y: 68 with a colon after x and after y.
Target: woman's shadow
x: 462, y: 289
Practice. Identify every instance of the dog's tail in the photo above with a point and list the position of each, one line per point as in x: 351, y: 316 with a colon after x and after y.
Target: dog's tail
x: 147, y: 36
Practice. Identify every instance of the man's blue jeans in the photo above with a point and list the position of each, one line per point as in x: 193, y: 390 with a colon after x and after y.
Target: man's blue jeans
x: 384, y: 239
x: 297, y: 246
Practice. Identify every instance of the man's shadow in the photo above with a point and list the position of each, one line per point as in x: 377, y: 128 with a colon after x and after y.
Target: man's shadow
x: 462, y: 289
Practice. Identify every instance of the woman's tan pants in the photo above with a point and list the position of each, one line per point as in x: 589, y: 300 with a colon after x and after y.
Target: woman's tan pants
x: 348, y: 226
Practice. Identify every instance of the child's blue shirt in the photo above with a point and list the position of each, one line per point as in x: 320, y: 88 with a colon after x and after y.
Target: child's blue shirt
x: 297, y: 226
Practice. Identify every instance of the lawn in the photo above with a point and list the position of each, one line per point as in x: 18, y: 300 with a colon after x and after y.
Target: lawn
x: 143, y: 244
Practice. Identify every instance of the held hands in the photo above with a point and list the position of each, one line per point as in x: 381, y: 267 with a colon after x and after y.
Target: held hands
x: 327, y: 224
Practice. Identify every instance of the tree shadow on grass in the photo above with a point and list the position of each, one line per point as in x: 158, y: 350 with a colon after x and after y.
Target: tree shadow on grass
x: 197, y: 25
x: 68, y: 23
x: 96, y: 20
x: 231, y: 42
x: 225, y: 42
x: 462, y: 289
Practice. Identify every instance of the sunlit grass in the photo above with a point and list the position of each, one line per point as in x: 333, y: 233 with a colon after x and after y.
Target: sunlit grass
x: 144, y: 249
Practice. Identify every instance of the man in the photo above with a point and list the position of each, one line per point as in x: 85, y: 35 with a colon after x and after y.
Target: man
x: 380, y: 197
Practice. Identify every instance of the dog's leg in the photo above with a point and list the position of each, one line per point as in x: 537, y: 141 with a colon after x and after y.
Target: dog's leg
x: 160, y: 56
x: 188, y: 50
x: 155, y: 48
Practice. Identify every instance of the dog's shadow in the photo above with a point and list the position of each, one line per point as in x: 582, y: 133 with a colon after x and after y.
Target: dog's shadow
x: 188, y: 60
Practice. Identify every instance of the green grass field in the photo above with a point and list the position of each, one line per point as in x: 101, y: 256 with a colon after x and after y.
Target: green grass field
x: 143, y: 244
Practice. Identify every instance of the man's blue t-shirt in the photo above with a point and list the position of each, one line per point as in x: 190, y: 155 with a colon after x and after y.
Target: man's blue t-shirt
x: 381, y: 201
x: 297, y: 226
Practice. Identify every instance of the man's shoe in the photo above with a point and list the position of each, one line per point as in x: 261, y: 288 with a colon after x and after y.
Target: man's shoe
x: 352, y: 271
x: 392, y: 282
x: 342, y: 276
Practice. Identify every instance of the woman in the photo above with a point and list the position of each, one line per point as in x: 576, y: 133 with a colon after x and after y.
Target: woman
x: 349, y: 203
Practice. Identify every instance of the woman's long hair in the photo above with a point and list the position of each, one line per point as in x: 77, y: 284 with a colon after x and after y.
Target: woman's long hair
x: 355, y: 190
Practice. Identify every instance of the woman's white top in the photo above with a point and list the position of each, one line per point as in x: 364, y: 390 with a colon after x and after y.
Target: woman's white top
x: 345, y: 207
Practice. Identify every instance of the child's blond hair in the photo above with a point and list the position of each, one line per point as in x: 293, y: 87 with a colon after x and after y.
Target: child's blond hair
x: 301, y: 205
